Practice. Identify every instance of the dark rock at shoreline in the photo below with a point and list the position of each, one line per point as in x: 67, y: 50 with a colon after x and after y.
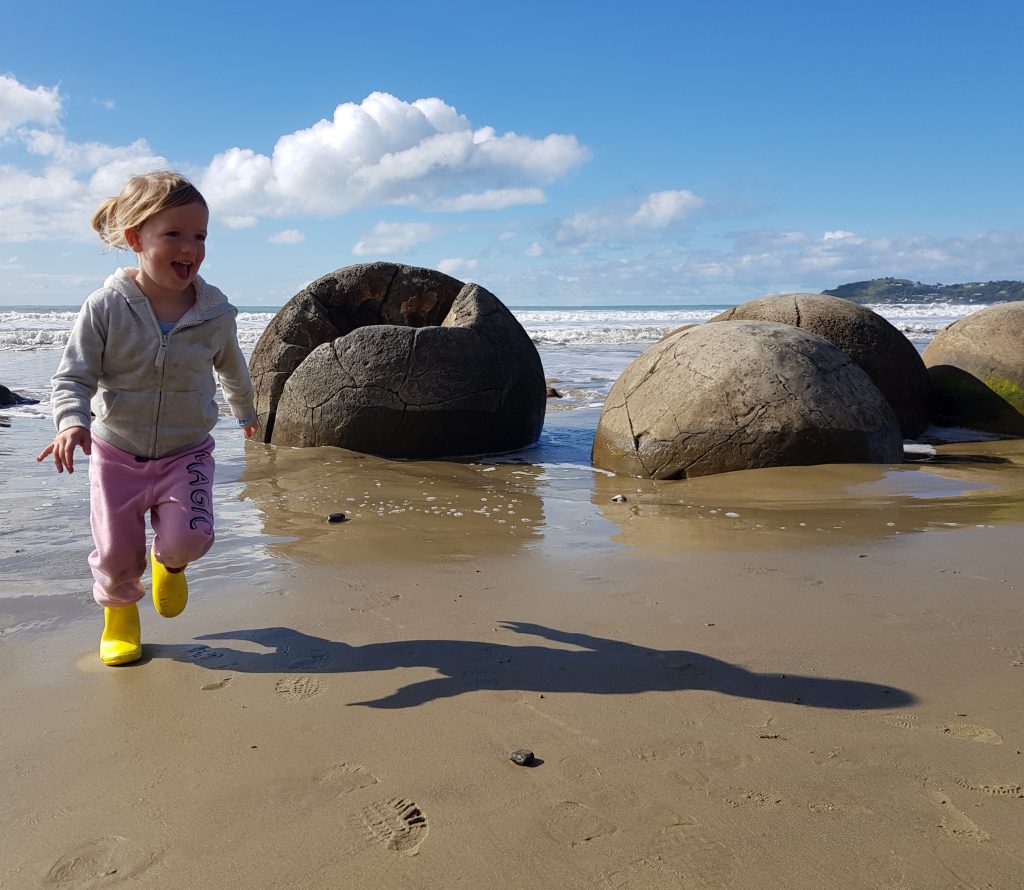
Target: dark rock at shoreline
x: 742, y: 395
x: 9, y: 398
x: 398, y: 361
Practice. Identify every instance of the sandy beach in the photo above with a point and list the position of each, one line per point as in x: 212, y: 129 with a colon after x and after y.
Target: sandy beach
x: 798, y: 678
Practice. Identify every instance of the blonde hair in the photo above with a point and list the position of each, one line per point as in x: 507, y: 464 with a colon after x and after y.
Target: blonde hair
x: 142, y: 197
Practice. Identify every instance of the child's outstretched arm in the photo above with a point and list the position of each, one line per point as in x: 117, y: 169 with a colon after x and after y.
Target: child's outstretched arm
x: 63, y: 447
x: 233, y: 373
x: 74, y: 384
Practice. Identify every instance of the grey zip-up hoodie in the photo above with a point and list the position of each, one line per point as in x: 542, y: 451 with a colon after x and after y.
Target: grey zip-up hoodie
x: 152, y: 393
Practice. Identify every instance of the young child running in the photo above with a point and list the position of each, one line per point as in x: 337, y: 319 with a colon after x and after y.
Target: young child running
x: 143, y: 351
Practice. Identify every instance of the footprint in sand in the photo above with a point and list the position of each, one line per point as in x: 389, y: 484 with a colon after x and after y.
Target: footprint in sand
x: 379, y: 600
x: 577, y: 768
x: 970, y: 733
x: 965, y: 731
x: 99, y: 863
x: 954, y: 822
x: 398, y: 824
x: 346, y: 777
x: 901, y: 721
x: 690, y: 861
x: 574, y: 823
x: 299, y: 688
x: 1006, y: 790
x: 306, y: 794
x: 219, y: 684
x: 754, y: 798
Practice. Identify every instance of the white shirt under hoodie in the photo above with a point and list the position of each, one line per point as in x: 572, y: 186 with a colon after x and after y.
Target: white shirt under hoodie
x: 152, y: 394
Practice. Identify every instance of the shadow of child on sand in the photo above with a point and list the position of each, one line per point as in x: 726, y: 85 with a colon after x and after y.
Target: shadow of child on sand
x: 597, y: 666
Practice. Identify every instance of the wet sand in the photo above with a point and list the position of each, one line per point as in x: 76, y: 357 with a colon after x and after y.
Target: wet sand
x: 802, y: 678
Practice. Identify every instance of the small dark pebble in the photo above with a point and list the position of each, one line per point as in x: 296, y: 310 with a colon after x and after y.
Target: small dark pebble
x: 521, y: 757
x: 336, y: 517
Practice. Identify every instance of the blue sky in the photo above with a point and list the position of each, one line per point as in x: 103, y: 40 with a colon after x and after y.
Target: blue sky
x: 558, y: 153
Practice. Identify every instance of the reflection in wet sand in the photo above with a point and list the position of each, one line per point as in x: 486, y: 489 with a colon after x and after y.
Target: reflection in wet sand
x: 394, y: 510
x: 967, y: 484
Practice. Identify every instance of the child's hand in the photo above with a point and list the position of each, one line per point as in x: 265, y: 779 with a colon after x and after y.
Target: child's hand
x: 252, y: 429
x: 63, y: 447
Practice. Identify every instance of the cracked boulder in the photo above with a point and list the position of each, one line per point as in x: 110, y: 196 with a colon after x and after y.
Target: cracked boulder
x: 976, y: 367
x: 721, y: 397
x: 399, y: 362
x: 881, y: 349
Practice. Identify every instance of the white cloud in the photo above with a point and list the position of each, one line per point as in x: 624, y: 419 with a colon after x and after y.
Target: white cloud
x: 59, y: 201
x: 494, y: 199
x: 21, y: 105
x: 238, y: 222
x: 796, y: 260
x: 378, y: 152
x: 386, y: 238
x: 387, y: 151
x: 56, y: 194
x: 657, y: 212
x: 456, y: 266
x: 660, y: 209
x: 534, y: 249
x: 758, y: 262
x: 288, y: 236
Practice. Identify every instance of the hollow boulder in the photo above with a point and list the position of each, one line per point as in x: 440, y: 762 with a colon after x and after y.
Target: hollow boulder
x: 398, y: 361
x: 722, y: 397
x: 976, y: 366
x: 881, y: 349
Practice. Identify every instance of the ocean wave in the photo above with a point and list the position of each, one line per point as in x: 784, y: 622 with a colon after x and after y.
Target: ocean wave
x: 43, y: 318
x: 951, y: 311
x: 596, y: 335
x: 18, y: 340
x: 48, y: 328
x: 614, y: 317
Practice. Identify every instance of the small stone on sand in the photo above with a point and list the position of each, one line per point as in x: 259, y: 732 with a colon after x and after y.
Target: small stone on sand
x: 521, y: 757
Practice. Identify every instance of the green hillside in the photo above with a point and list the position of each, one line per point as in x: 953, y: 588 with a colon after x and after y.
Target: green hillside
x: 902, y: 290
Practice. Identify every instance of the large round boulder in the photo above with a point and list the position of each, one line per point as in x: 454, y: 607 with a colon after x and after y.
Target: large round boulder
x: 398, y: 361
x: 976, y: 367
x: 722, y: 397
x: 882, y: 350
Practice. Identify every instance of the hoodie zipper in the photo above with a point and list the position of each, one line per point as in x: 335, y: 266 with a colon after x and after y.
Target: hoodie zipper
x: 161, y: 357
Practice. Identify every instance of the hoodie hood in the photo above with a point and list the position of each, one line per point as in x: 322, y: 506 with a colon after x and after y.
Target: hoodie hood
x: 210, y: 301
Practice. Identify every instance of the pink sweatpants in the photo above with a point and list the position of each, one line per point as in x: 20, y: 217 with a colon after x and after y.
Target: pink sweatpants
x: 177, y: 492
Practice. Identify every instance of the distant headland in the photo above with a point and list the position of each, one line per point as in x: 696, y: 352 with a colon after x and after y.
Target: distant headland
x: 902, y: 290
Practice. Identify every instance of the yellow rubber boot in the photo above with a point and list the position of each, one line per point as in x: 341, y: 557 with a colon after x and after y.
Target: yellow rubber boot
x: 170, y: 589
x: 121, y: 642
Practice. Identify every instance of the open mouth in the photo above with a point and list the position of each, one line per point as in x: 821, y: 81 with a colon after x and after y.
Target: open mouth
x: 182, y: 270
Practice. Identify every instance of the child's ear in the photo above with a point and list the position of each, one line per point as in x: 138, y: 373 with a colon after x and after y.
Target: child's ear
x: 132, y: 237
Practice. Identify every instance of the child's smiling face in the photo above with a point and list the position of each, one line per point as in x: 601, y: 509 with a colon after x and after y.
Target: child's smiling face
x: 171, y: 246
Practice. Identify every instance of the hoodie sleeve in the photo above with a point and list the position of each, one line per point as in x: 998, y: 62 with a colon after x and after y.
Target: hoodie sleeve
x: 233, y: 374
x: 75, y: 382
